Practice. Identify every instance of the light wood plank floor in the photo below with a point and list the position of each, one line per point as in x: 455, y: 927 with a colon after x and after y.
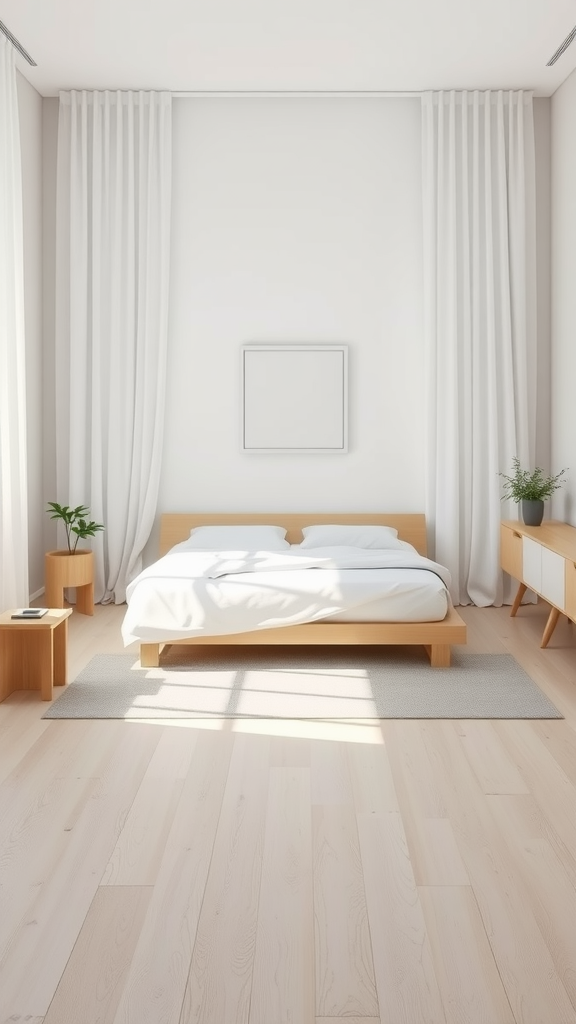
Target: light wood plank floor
x: 401, y: 872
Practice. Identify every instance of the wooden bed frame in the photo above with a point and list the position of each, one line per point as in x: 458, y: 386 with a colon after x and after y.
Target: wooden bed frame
x: 435, y: 636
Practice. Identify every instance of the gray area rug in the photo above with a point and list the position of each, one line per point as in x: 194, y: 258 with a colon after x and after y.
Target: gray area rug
x: 307, y: 683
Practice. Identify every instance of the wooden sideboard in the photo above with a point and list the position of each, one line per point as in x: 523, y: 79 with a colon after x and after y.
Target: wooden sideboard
x: 543, y: 559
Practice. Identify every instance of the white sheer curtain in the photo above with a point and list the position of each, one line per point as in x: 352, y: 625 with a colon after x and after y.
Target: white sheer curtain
x: 480, y: 321
x: 112, y: 279
x: 13, y: 470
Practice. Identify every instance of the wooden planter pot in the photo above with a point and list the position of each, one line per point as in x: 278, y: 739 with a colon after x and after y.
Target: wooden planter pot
x: 63, y: 569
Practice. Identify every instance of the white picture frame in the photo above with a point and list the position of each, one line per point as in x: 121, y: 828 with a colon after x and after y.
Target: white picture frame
x: 294, y: 399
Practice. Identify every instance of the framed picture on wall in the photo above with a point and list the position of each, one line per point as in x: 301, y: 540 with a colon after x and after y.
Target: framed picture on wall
x: 295, y: 398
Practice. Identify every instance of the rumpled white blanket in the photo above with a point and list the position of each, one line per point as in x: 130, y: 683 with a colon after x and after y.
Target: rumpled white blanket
x: 212, y: 593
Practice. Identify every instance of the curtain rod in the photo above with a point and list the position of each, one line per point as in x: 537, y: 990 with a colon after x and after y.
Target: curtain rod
x: 18, y: 46
x: 326, y: 93
x: 291, y: 93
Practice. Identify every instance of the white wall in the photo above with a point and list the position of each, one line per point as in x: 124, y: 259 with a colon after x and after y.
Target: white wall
x: 296, y: 220
x: 30, y: 113
x: 563, y: 391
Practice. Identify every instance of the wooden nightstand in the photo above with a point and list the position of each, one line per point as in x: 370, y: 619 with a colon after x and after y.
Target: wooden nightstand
x: 33, y: 654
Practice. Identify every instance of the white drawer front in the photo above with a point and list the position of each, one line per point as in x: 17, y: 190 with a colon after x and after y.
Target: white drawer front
x: 553, y: 578
x: 532, y: 564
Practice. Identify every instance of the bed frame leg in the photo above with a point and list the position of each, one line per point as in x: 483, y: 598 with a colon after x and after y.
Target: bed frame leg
x: 439, y: 655
x: 149, y: 655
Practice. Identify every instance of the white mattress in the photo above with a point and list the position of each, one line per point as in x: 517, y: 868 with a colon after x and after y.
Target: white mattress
x: 188, y: 594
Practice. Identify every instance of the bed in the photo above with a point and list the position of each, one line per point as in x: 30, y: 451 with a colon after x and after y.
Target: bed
x: 436, y: 636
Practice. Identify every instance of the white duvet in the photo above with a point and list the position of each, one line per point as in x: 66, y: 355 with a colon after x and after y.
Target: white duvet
x: 208, y: 593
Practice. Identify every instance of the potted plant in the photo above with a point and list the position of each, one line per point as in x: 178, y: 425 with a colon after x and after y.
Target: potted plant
x: 530, y: 489
x: 71, y: 567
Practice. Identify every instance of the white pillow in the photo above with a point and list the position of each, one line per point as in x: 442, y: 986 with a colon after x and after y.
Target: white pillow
x: 237, y: 538
x: 327, y: 536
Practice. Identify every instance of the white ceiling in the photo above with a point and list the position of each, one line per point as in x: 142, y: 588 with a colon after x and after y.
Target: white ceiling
x: 292, y: 45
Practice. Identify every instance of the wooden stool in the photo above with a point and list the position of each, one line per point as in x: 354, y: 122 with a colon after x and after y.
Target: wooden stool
x: 33, y: 654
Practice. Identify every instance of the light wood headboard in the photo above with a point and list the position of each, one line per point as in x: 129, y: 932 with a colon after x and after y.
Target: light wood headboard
x: 176, y: 526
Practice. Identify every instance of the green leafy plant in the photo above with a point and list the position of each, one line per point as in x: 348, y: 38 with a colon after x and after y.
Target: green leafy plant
x: 526, y: 486
x: 76, y: 522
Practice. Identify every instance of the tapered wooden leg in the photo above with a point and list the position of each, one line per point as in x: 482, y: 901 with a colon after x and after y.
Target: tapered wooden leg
x: 439, y: 655
x: 149, y: 655
x: 522, y: 588
x: 550, y: 626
